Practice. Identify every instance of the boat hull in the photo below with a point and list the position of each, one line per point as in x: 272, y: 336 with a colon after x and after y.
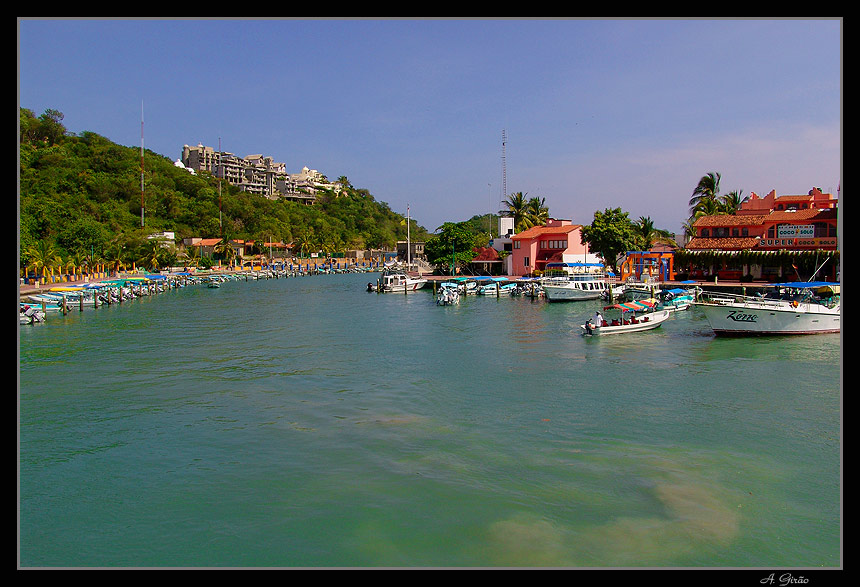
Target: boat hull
x: 401, y: 288
x: 654, y: 320
x: 555, y: 290
x: 752, y: 319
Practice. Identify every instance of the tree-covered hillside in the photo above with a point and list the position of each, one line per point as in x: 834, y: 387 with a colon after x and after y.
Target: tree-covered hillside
x: 80, y: 196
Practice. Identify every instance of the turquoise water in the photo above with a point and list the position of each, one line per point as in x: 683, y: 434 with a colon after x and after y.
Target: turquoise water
x: 304, y: 422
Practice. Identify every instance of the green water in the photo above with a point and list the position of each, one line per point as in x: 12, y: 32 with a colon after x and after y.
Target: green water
x: 304, y: 422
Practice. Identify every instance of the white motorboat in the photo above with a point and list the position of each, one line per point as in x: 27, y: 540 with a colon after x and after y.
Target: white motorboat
x: 789, y: 308
x: 400, y: 282
x: 565, y: 282
x: 627, y: 320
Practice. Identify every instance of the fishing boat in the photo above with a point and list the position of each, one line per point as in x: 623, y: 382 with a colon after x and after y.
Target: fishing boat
x: 563, y: 282
x: 627, y: 320
x: 400, y: 282
x: 787, y: 308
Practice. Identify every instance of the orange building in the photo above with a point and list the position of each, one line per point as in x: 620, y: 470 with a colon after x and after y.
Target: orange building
x: 791, y: 224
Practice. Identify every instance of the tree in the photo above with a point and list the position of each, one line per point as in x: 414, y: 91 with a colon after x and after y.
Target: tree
x: 151, y: 257
x: 453, y: 245
x: 537, y: 213
x: 731, y: 202
x: 42, y: 257
x: 610, y: 234
x: 517, y: 209
x: 650, y: 235
x: 707, y: 189
x: 224, y: 249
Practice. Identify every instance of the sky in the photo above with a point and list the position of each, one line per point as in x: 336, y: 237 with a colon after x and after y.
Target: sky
x: 595, y: 113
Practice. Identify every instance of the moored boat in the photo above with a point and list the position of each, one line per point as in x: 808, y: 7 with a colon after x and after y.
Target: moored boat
x: 565, y: 282
x: 496, y: 286
x: 678, y: 298
x: 449, y: 294
x: 400, y: 282
x: 788, y: 308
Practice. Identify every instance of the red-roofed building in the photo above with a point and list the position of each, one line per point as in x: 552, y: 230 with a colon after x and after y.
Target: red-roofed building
x: 557, y: 241
x: 792, y: 224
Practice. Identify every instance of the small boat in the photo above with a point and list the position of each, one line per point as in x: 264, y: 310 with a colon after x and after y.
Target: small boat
x: 27, y: 314
x: 497, y: 286
x: 400, y: 282
x: 788, y: 308
x: 627, y: 320
x: 529, y: 287
x: 449, y: 294
x: 678, y: 298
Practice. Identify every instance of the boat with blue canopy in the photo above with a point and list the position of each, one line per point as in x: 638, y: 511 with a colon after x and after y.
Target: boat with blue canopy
x: 627, y: 320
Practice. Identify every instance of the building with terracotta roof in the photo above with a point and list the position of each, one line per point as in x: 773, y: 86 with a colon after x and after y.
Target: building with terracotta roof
x: 557, y: 241
x: 781, y: 229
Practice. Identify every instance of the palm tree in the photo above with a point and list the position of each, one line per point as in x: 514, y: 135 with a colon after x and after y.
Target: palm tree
x: 517, y: 209
x: 304, y: 241
x: 707, y: 189
x: 151, y: 255
x: 706, y: 207
x: 650, y: 235
x: 537, y: 212
x: 225, y: 248
x: 732, y: 201
x: 42, y: 258
x: 190, y: 256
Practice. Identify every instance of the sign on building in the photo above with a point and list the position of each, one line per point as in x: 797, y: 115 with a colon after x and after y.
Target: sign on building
x: 795, y: 231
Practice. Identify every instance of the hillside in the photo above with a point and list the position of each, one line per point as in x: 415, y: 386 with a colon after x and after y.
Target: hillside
x: 80, y: 197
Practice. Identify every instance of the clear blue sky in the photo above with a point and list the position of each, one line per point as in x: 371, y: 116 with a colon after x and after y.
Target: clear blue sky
x: 597, y: 113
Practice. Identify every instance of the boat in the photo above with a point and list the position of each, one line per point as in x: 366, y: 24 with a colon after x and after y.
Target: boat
x: 496, y: 286
x: 678, y: 298
x: 564, y: 282
x: 786, y: 308
x: 529, y: 287
x: 449, y: 294
x: 627, y: 320
x: 400, y: 282
x: 28, y: 314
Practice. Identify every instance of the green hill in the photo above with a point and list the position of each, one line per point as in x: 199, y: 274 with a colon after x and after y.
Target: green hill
x: 80, y: 198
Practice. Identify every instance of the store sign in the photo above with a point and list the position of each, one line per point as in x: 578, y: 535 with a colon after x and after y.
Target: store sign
x: 819, y: 243
x: 795, y: 231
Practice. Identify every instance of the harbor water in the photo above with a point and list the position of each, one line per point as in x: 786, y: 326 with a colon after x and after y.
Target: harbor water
x: 305, y: 422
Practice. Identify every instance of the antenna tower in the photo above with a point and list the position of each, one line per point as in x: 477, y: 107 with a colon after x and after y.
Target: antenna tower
x: 504, y: 168
x: 141, y: 165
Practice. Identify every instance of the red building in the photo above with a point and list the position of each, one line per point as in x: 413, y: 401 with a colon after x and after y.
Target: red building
x: 784, y: 230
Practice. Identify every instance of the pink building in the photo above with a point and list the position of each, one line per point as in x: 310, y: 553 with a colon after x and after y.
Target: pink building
x: 557, y: 241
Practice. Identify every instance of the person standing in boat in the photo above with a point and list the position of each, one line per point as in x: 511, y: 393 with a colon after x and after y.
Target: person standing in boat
x: 598, y: 319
